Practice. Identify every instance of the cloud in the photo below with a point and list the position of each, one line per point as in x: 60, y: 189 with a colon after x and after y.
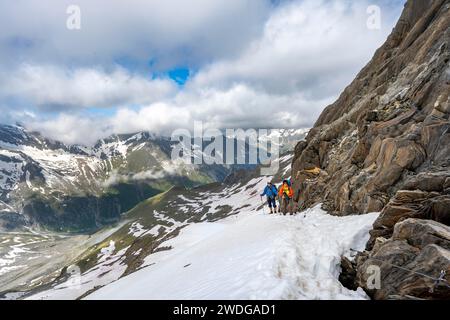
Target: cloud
x: 238, y: 107
x: 54, y: 88
x: 284, y: 68
x: 71, y: 129
x: 168, y: 168
x: 115, y: 178
x: 315, y: 47
x: 166, y: 32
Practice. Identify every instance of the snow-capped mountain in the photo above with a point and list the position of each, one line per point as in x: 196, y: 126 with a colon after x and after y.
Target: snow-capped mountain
x: 48, y: 184
x: 123, y: 248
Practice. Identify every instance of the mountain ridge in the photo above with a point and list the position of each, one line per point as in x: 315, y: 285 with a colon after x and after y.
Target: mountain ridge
x: 38, y: 173
x: 48, y: 184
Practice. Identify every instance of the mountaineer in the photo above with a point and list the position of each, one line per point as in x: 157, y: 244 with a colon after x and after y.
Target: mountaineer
x: 286, y: 195
x: 270, y: 191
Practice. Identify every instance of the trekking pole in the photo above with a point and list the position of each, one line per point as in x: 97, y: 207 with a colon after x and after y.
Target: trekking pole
x: 264, y: 206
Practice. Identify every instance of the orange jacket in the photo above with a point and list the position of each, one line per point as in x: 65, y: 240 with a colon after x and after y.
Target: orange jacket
x: 286, y: 189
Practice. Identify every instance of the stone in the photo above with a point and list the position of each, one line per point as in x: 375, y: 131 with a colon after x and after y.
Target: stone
x: 417, y: 248
x: 427, y: 181
x: 440, y: 210
x: 421, y: 233
x: 348, y: 274
x: 446, y: 183
x: 372, y: 116
x: 406, y: 204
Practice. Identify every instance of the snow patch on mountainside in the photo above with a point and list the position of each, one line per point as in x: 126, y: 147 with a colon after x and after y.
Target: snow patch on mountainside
x: 111, y: 267
x: 250, y: 256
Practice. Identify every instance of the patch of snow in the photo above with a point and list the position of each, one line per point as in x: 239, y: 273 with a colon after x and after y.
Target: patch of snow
x: 109, y: 270
x: 155, y: 230
x: 136, y: 229
x: 250, y: 256
x: 13, y: 295
x: 107, y: 252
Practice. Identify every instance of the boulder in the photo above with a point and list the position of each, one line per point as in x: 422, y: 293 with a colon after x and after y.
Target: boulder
x: 348, y: 274
x: 410, y: 262
x: 391, y: 252
x: 406, y: 204
x: 447, y: 183
x: 440, y: 209
x: 421, y: 233
x: 427, y: 181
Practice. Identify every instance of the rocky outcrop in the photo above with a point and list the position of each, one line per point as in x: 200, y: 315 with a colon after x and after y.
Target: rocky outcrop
x: 410, y: 262
x: 384, y: 145
x: 411, y: 204
x: 389, y: 125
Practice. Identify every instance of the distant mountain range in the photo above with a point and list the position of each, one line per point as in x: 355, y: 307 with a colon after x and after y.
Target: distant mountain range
x: 40, y: 267
x: 73, y: 188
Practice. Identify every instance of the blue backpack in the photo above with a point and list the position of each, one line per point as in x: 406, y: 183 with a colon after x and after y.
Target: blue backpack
x: 274, y: 191
x: 270, y: 192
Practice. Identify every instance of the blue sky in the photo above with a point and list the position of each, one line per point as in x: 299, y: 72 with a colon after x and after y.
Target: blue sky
x: 179, y: 74
x: 136, y: 65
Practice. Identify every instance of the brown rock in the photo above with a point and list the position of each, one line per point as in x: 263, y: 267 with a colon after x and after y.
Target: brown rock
x: 409, y: 261
x: 348, y: 274
x: 406, y: 204
x: 427, y: 181
x: 421, y: 233
x: 440, y: 210
x: 374, y: 204
x: 391, y: 252
x: 385, y: 146
x: 446, y: 184
x: 392, y: 214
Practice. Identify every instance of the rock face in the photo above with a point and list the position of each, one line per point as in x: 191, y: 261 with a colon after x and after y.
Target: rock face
x: 417, y: 252
x: 384, y: 145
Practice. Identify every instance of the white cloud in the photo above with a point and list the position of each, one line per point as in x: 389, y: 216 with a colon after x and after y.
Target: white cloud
x: 297, y: 62
x: 237, y: 107
x: 169, y: 32
x: 311, y: 46
x: 71, y: 129
x: 50, y: 87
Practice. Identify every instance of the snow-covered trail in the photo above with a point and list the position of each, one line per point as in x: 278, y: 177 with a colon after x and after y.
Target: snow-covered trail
x: 250, y: 256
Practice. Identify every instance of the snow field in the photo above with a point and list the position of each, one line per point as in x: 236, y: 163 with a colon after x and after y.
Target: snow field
x: 250, y: 256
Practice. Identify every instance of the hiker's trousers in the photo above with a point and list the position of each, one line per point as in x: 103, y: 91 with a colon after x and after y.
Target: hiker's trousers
x: 271, y: 202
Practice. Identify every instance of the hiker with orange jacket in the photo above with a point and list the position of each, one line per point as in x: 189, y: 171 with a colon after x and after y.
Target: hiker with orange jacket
x: 286, y: 195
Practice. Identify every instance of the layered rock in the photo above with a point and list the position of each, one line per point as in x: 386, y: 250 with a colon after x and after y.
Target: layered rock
x: 384, y: 145
x: 410, y: 263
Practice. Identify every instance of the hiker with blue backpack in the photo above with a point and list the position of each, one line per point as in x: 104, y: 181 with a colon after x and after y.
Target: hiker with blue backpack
x: 271, y: 192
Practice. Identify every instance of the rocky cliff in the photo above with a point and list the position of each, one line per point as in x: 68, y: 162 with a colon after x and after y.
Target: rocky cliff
x: 384, y: 145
